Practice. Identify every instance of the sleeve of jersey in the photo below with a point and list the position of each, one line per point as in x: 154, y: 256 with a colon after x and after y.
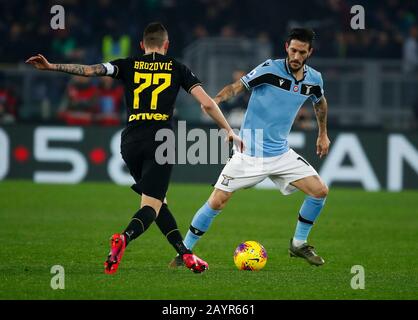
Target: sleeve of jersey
x: 189, y: 79
x: 318, y: 91
x: 114, y: 68
x: 255, y: 77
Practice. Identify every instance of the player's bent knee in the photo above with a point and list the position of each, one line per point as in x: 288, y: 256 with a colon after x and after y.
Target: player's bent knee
x: 322, y: 192
x: 219, y: 199
x: 151, y: 202
x: 217, y: 203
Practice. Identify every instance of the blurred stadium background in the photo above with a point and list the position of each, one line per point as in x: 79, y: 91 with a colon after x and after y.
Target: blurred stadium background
x: 370, y: 75
x: 55, y: 128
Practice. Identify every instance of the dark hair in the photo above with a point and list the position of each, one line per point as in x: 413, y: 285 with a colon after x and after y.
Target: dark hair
x: 301, y: 34
x: 154, y: 35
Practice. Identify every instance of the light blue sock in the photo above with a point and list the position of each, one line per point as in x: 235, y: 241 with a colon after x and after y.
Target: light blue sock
x: 200, y: 224
x: 309, y: 212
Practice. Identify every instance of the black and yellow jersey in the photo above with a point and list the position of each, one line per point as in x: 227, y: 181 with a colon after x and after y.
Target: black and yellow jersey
x: 152, y: 82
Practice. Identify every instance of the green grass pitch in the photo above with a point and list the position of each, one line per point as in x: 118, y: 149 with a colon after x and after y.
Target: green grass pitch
x: 69, y: 225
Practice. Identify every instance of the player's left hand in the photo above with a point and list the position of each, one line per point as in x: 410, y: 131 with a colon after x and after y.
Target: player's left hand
x: 322, y: 145
x: 39, y: 62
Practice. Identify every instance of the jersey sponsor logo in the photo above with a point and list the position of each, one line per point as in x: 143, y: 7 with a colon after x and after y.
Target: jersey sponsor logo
x: 295, y: 88
x: 148, y: 116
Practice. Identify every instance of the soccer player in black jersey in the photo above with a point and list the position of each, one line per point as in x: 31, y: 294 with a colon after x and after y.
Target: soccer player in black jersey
x: 152, y: 82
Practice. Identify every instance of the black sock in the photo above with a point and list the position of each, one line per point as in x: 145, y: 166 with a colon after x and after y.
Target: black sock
x: 140, y: 222
x: 168, y: 226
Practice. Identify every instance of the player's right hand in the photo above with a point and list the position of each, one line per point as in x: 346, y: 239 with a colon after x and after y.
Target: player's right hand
x: 322, y: 145
x: 39, y: 62
x: 236, y: 140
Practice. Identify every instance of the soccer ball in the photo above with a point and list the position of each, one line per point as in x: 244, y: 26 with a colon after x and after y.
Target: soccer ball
x: 250, y: 255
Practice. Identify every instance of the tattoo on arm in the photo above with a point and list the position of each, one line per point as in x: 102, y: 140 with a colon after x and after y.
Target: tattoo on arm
x: 98, y: 70
x: 321, y: 109
x: 82, y: 70
x: 230, y: 91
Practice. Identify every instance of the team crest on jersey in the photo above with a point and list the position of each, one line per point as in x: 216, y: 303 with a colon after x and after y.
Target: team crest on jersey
x: 226, y: 180
x: 296, y: 88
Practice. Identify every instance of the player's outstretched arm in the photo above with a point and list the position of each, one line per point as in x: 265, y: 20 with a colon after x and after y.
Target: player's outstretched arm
x: 41, y: 63
x: 322, y: 143
x: 229, y: 91
x: 212, y: 109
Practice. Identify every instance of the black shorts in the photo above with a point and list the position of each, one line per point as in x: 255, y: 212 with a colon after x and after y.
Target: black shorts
x: 151, y: 178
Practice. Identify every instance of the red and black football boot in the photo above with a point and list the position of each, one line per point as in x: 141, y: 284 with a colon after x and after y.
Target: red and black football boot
x: 117, y: 248
x: 194, y: 263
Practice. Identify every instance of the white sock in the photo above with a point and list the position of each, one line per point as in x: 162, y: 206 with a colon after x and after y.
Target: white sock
x: 297, y: 243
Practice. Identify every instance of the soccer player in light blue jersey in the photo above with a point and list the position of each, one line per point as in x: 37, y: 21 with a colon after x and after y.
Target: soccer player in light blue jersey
x: 279, y: 88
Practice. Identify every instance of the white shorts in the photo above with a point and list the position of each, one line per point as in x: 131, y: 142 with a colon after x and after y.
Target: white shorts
x: 243, y: 171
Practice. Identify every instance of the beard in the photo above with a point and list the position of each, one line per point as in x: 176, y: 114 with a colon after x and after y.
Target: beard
x: 295, y: 69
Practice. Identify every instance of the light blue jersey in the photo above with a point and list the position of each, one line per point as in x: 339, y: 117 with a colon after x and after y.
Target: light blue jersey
x: 274, y: 103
